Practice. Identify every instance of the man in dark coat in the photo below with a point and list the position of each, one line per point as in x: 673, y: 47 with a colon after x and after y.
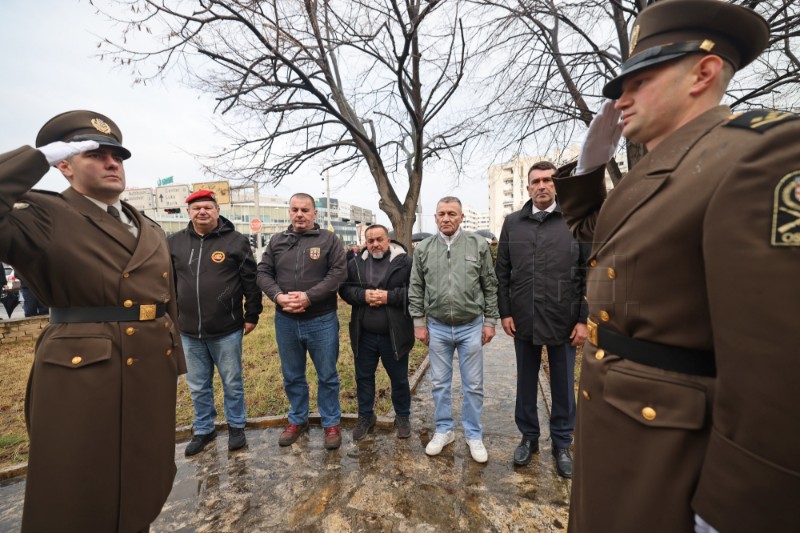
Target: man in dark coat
x: 541, y: 282
x: 687, y: 414
x: 380, y: 327
x: 100, y: 404
x: 214, y: 270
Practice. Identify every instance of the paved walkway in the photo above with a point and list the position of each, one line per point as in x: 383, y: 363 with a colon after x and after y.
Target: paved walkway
x: 378, y: 484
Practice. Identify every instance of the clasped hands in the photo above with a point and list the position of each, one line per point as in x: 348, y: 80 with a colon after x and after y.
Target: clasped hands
x: 376, y: 297
x: 293, y: 302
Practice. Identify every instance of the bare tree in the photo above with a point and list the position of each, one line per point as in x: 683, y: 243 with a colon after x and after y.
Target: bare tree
x: 556, y: 55
x: 335, y: 83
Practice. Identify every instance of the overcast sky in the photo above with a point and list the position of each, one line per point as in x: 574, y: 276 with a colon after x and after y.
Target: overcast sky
x: 49, y: 65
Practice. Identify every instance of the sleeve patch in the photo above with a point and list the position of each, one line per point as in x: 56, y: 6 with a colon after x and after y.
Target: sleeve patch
x: 786, y: 211
x: 759, y: 120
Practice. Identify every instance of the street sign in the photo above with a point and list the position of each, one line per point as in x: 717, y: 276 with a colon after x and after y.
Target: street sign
x: 222, y: 190
x: 255, y: 225
x: 141, y: 199
x: 172, y: 196
x: 165, y: 181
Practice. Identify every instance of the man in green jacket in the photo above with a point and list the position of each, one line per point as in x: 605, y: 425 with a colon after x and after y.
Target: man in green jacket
x: 453, y: 284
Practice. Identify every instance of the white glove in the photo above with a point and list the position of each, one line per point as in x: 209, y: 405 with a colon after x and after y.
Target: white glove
x: 601, y: 138
x: 59, y: 150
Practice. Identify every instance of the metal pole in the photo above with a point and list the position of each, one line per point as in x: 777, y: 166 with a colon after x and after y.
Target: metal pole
x: 328, y: 196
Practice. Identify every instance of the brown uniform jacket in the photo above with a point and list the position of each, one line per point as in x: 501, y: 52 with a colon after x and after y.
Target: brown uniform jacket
x: 100, y: 405
x: 682, y: 256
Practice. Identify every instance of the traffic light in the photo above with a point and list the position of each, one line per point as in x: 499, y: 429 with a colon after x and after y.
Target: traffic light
x: 254, y: 240
x: 173, y: 210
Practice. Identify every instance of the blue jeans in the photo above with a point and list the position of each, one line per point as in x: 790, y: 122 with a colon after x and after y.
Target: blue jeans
x: 443, y: 341
x: 319, y: 336
x: 201, y: 356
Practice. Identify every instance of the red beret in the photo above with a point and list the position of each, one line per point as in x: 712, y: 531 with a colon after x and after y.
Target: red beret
x: 202, y: 194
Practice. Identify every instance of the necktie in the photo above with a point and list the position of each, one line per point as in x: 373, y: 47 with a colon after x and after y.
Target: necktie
x: 540, y: 216
x: 114, y: 212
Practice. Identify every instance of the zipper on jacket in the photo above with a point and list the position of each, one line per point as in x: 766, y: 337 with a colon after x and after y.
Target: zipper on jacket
x: 450, y: 283
x: 197, y: 290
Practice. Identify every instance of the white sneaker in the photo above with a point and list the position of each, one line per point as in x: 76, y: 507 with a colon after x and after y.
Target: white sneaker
x: 478, y: 450
x: 439, y: 441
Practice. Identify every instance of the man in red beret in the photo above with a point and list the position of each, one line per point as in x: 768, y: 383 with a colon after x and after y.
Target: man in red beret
x: 214, y: 270
x: 100, y: 405
x: 687, y: 416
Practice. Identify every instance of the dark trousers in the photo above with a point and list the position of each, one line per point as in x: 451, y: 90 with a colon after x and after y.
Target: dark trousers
x: 371, y: 349
x: 562, y: 387
x: 31, y: 305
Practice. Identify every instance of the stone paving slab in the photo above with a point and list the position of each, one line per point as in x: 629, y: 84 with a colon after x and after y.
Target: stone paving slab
x: 376, y: 485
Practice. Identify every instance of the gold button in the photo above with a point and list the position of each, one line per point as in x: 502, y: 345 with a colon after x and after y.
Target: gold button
x: 166, y: 325
x: 168, y: 352
x: 164, y: 275
x: 586, y: 395
x: 129, y: 362
x: 649, y: 413
x: 77, y: 360
x: 599, y: 354
x: 612, y: 273
x: 126, y: 275
x: 604, y: 316
x: 127, y: 303
x: 166, y: 299
x: 130, y: 331
x: 593, y: 263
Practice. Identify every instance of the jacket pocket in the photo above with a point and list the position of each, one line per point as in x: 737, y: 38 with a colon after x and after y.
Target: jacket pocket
x: 656, y: 401
x: 76, y: 352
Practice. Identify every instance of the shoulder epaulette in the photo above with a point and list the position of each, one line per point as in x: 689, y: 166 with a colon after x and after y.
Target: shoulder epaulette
x: 759, y: 120
x: 42, y: 191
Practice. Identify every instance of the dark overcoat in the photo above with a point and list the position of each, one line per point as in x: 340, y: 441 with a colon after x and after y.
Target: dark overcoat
x: 541, y: 276
x: 693, y: 250
x: 100, y: 404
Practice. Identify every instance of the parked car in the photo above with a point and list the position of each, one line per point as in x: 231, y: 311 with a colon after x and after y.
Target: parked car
x: 12, y: 283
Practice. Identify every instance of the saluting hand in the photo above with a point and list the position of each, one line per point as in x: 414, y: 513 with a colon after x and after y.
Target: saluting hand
x: 58, y: 151
x: 601, y: 139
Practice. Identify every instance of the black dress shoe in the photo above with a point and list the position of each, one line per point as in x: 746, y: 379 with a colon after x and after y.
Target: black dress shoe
x: 563, y: 462
x: 198, y: 443
x: 526, y: 448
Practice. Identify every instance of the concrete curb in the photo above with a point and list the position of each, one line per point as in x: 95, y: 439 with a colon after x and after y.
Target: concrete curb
x: 185, y: 432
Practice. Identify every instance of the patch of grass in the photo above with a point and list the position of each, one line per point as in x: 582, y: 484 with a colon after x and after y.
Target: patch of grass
x: 263, y: 383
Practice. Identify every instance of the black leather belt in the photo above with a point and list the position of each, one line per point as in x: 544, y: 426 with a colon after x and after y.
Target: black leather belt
x: 673, y: 358
x: 134, y: 313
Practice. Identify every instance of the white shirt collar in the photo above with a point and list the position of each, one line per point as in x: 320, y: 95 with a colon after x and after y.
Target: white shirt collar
x: 550, y: 209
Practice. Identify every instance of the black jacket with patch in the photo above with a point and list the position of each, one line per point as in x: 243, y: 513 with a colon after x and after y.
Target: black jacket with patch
x: 213, y: 273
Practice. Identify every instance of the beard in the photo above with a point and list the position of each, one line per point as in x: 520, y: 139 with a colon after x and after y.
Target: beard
x: 377, y: 255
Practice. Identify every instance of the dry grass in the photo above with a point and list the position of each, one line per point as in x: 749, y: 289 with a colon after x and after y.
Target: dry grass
x: 262, y: 382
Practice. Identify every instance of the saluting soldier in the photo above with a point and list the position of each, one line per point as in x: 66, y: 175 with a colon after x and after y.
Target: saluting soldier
x: 100, y: 405
x: 687, y: 411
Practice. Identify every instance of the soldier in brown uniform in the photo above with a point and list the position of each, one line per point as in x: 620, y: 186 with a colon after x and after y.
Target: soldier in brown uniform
x: 687, y: 410
x: 100, y: 405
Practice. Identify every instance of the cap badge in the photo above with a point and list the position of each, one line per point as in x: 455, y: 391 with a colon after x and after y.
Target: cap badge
x: 786, y: 211
x: 218, y: 257
x: 634, y: 39
x: 101, y: 126
x: 707, y: 45
x: 313, y: 253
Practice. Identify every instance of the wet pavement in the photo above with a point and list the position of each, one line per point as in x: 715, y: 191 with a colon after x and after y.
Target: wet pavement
x: 378, y: 484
